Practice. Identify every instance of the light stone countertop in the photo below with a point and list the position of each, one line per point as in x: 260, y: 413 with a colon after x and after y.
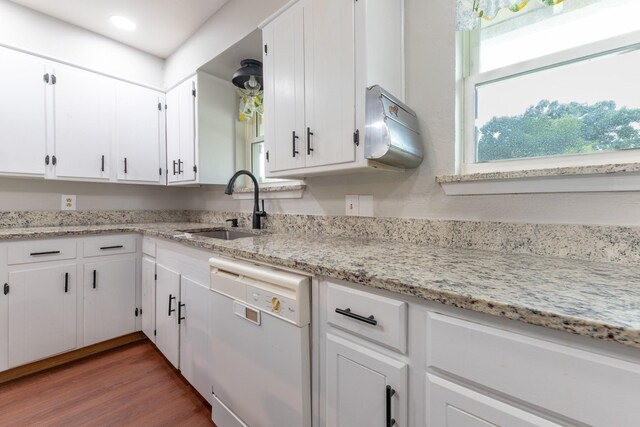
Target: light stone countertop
x: 594, y: 299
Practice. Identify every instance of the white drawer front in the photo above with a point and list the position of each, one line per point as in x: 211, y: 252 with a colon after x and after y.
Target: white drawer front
x: 149, y: 247
x: 109, y: 245
x: 41, y: 250
x: 355, y: 310
x: 586, y: 387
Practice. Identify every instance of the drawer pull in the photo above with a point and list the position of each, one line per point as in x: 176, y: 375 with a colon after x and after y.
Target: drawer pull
x: 95, y: 279
x: 66, y: 283
x: 347, y: 312
x: 106, y: 248
x: 44, y: 253
x: 389, y: 419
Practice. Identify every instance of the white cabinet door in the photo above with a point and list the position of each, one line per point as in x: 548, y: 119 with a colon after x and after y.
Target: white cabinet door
x: 22, y: 114
x: 193, y: 310
x: 187, y: 160
x: 109, y: 299
x: 4, y: 311
x: 330, y: 80
x: 84, y: 105
x: 167, y: 328
x: 42, y: 313
x: 285, y: 131
x: 451, y: 405
x: 149, y: 298
x: 181, y: 132
x: 139, y: 133
x: 356, y: 386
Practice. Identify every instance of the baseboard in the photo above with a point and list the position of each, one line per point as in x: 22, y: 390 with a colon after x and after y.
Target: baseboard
x: 64, y: 358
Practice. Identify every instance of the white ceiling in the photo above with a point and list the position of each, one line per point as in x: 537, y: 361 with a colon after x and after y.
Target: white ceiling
x: 225, y: 64
x: 162, y: 25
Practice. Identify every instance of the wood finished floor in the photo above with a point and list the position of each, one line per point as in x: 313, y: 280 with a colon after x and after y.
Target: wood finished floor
x: 129, y: 386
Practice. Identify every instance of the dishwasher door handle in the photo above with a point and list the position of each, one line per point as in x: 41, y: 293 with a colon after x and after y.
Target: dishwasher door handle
x: 249, y: 314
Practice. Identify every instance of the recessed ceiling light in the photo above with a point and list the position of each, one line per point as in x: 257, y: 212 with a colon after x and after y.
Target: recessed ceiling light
x: 123, y: 23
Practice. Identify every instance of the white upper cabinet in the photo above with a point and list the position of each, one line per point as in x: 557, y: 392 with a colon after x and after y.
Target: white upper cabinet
x: 285, y: 131
x: 139, y: 134
x: 22, y: 114
x: 330, y: 80
x: 181, y: 133
x: 201, y: 131
x: 348, y: 46
x: 84, y: 113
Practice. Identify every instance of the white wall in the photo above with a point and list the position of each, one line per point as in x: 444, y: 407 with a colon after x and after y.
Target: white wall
x: 25, y: 29
x: 18, y: 194
x: 230, y: 24
x: 430, y: 73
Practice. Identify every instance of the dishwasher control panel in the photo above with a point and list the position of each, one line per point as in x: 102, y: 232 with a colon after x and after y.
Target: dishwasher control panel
x: 273, y: 302
x: 276, y: 292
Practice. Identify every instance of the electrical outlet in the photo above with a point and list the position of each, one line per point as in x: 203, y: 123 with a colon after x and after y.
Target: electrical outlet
x: 68, y: 203
x: 351, y: 205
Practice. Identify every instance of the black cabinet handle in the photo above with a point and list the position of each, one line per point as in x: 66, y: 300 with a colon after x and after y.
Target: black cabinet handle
x: 180, y: 317
x: 44, y: 253
x: 46, y: 78
x: 389, y: 394
x: 174, y: 167
x: 136, y: 312
x: 293, y: 142
x: 54, y: 161
x: 6, y: 288
x: 102, y: 167
x: 171, y: 310
x: 125, y: 165
x: 106, y: 248
x: 66, y: 283
x: 347, y: 312
x: 180, y: 163
x: 309, y: 133
x: 46, y: 160
x: 95, y: 278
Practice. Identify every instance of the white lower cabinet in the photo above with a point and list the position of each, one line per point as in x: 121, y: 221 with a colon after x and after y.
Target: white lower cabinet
x: 149, y: 297
x: 451, y: 405
x: 109, y: 299
x: 364, y: 387
x: 193, y: 309
x: 167, y: 328
x: 42, y: 312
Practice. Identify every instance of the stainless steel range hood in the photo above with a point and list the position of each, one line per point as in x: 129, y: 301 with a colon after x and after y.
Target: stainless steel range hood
x: 392, y: 136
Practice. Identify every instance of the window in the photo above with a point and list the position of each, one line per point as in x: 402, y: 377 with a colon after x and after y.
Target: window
x: 551, y: 86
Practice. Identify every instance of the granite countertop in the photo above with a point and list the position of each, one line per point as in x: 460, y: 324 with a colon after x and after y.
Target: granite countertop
x: 595, y: 299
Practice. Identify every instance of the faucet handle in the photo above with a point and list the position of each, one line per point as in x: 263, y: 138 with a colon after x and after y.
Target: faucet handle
x: 263, y: 212
x: 233, y: 221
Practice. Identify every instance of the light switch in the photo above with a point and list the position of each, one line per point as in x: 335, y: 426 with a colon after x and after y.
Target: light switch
x: 68, y: 203
x: 365, y: 205
x: 351, y: 207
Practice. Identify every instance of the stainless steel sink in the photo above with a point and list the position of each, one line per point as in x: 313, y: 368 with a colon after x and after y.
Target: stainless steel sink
x: 222, y: 234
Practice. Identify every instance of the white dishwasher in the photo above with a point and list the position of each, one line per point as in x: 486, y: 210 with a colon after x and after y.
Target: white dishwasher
x: 260, y: 353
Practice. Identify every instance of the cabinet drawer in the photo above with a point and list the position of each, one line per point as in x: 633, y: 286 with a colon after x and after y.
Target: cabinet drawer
x: 109, y: 245
x: 149, y: 247
x: 558, y: 378
x: 379, y: 319
x: 41, y: 250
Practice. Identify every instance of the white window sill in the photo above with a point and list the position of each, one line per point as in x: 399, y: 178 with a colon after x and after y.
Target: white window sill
x: 600, y: 178
x: 271, y: 191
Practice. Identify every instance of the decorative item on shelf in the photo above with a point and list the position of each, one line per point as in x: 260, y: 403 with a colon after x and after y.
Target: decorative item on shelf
x: 470, y: 11
x: 248, y: 80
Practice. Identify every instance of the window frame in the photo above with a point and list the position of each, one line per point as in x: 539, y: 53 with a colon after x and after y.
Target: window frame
x: 469, y: 51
